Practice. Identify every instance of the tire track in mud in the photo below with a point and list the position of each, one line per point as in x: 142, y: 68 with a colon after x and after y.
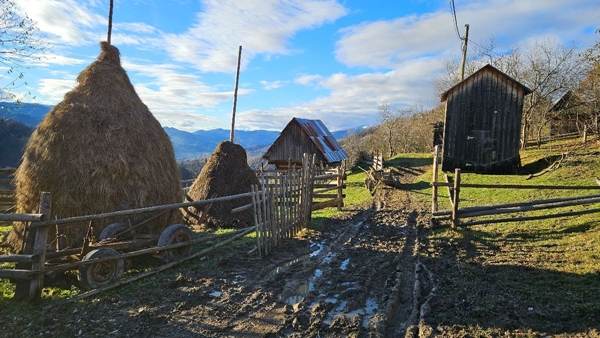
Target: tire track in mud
x: 347, y: 287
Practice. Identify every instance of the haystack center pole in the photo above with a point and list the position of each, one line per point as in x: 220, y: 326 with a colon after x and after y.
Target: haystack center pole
x: 110, y: 17
x: 235, y: 92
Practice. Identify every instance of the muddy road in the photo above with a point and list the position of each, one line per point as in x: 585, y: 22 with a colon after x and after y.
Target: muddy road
x: 349, y: 277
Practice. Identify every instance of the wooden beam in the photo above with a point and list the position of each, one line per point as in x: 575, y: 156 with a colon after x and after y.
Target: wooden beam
x: 16, y: 274
x: 522, y: 186
x: 21, y: 217
x: 326, y: 204
x: 523, y: 208
x: 508, y: 205
x: 434, y: 178
x: 137, y: 211
x: 456, y: 198
x: 532, y: 218
x: 17, y: 258
x: 40, y: 245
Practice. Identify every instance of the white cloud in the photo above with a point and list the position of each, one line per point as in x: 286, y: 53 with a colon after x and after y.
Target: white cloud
x: 353, y: 99
x: 65, y: 21
x: 176, y: 96
x: 260, y: 26
x: 52, y: 91
x: 385, y: 43
x: 70, y: 22
x: 271, y: 85
x: 306, y: 79
x: 47, y: 59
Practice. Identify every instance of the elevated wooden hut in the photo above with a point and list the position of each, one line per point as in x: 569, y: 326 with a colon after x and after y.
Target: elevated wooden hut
x: 483, y: 122
x: 305, y: 136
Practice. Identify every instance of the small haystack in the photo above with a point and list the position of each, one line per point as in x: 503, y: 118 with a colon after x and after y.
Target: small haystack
x: 225, y: 173
x: 99, y: 150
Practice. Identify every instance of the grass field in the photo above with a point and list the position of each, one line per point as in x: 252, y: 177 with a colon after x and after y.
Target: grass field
x: 525, y: 278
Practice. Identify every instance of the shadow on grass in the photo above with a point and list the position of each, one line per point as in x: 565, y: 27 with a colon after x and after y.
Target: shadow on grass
x: 411, y: 162
x: 539, y: 165
x: 485, y: 293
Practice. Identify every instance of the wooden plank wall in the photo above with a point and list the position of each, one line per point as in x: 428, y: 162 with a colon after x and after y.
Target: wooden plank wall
x: 487, y: 107
x: 291, y: 146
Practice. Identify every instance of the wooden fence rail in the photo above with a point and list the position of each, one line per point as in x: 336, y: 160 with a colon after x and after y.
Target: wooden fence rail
x: 455, y: 214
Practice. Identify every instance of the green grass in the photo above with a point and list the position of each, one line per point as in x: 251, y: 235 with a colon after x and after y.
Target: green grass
x: 357, y: 196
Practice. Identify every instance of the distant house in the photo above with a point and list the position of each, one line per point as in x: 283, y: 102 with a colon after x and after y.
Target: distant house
x: 483, y: 122
x: 305, y: 136
x: 565, y: 115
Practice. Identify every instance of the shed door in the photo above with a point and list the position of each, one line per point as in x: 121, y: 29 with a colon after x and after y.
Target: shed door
x: 481, y: 148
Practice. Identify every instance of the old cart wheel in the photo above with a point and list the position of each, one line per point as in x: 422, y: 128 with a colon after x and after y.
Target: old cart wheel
x: 112, y: 230
x: 99, y: 274
x: 175, y: 233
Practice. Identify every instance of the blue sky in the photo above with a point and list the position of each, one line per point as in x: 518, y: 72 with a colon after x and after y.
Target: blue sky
x: 333, y: 60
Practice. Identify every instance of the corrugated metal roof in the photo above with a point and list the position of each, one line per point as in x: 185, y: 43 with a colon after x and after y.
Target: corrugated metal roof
x: 323, y: 139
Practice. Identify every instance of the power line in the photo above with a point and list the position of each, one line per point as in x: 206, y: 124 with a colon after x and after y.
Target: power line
x: 453, y: 11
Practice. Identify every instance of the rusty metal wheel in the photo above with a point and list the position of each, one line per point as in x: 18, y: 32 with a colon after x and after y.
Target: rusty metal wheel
x: 175, y: 233
x: 95, y: 275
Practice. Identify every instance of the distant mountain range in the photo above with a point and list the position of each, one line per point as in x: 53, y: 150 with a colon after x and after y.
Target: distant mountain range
x: 187, y: 145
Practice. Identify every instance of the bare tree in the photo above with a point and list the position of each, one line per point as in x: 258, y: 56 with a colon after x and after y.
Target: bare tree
x: 387, y: 117
x: 588, y: 92
x: 18, y: 44
x: 549, y: 70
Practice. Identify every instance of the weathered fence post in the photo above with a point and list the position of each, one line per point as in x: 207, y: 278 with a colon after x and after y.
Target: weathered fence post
x: 434, y: 188
x: 340, y: 185
x: 40, y: 246
x: 456, y: 199
x: 584, y: 138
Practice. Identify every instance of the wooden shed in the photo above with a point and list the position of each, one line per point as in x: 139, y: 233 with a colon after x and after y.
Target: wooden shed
x: 565, y: 115
x: 305, y: 136
x: 483, y: 122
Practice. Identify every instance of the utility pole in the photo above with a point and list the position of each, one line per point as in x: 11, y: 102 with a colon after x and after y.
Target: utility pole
x: 235, y: 92
x: 464, y: 56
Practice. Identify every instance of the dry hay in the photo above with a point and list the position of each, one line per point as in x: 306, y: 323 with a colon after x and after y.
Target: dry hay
x: 98, y: 150
x: 225, y: 173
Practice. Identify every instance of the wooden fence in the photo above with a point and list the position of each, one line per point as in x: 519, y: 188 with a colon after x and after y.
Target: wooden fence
x: 282, y: 205
x: 7, y: 194
x: 584, y: 135
x: 376, y: 161
x: 456, y: 214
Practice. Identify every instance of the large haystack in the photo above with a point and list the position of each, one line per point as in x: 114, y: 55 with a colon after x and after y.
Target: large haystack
x: 98, y: 150
x: 225, y: 173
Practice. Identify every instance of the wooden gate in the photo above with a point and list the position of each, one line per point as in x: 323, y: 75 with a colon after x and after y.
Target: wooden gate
x: 282, y: 204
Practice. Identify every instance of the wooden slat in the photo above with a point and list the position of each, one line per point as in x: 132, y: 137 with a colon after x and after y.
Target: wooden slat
x: 20, y: 217
x: 532, y: 218
x: 17, y: 258
x: 522, y: 186
x: 326, y: 204
x: 16, y: 274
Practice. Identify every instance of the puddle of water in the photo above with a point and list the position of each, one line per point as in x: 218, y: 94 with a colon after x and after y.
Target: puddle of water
x: 344, y: 264
x: 370, y: 309
x: 215, y: 293
x: 330, y: 256
x: 319, y: 246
